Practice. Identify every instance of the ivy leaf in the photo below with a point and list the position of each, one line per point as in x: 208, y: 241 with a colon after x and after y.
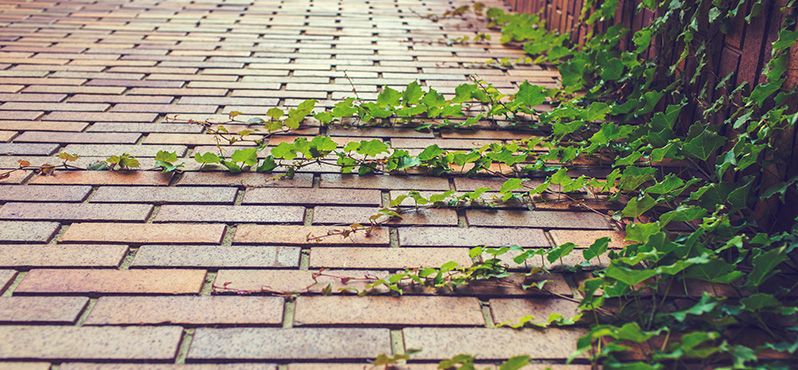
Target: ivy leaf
x: 560, y: 252
x: 207, y: 158
x: 629, y: 276
x: 267, y: 165
x: 706, y: 304
x: 248, y: 157
x: 275, y: 113
x: 344, y: 108
x: 412, y: 94
x: 637, y: 206
x: 372, y: 148
x: 389, y: 97
x: 599, y: 247
x: 704, y: 145
x: 515, y: 363
x: 764, y: 265
x: 430, y: 152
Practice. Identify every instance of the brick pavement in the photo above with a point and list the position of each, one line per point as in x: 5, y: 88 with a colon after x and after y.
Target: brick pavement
x: 107, y: 270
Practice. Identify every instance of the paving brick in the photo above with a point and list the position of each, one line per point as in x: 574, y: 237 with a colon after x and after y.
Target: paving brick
x: 5, y: 136
x: 62, y: 255
x: 471, y: 184
x: 37, y: 193
x: 187, y: 310
x: 303, y: 235
x: 510, y: 311
x: 254, y: 180
x: 585, y: 238
x: 89, y: 343
x: 165, y: 195
x: 103, y: 178
x: 56, y: 310
x: 287, y: 344
x: 539, y: 219
x: 410, y: 216
x: 470, y: 237
x: 230, y: 214
x: 388, y: 311
x: 27, y: 231
x: 384, y: 182
x: 77, y: 137
x: 43, y: 125
x: 117, y: 366
x: 42, y: 281
x: 104, y: 150
x: 216, y: 257
x: 75, y: 212
x: 177, y: 91
x: 102, y: 116
x: 17, y: 177
x: 144, y: 233
x: 490, y: 344
x: 312, y: 196
x: 67, y: 107
x: 142, y: 127
x: 291, y: 281
x: 386, y: 258
x: 27, y: 149
x: 13, y: 365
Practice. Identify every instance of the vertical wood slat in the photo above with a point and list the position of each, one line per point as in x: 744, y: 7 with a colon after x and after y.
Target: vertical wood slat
x: 744, y: 52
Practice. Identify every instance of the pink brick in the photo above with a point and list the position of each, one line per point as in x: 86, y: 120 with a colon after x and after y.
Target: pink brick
x: 112, y: 281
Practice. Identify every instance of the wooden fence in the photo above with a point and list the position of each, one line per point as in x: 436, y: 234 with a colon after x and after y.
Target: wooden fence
x: 743, y: 51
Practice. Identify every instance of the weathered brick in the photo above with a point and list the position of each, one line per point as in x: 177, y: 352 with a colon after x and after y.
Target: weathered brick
x: 304, y: 235
x: 182, y: 310
x: 66, y: 107
x: 117, y: 366
x: 291, y: 281
x: 104, y: 150
x: 471, y: 184
x: 89, y: 343
x: 77, y: 137
x: 312, y: 196
x: 17, y: 177
x: 286, y: 344
x: 585, y: 238
x: 6, y: 277
x: 112, y: 281
x: 442, y: 343
x: 43, y: 125
x: 384, y: 182
x: 56, y: 310
x: 27, y: 149
x: 539, y: 219
x: 386, y: 258
x: 6, y: 136
x: 410, y: 216
x: 216, y: 257
x: 62, y: 255
x: 47, y: 89
x: 144, y: 233
x: 104, y: 178
x: 37, y: 193
x: 27, y: 231
x: 12, y: 365
x: 230, y: 214
x: 75, y: 212
x: 510, y: 311
x: 165, y: 195
x: 470, y: 237
x: 254, y: 180
x: 101, y: 116
x: 391, y: 311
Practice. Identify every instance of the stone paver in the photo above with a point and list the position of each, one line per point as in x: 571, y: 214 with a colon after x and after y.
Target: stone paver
x: 312, y: 196
x: 472, y: 236
x: 144, y: 233
x: 55, y: 310
x: 215, y: 256
x: 112, y: 281
x: 442, y: 343
x: 27, y: 231
x: 75, y: 212
x: 230, y: 214
x: 385, y: 258
x: 62, y: 255
x: 286, y: 344
x: 222, y: 310
x: 161, y: 195
x: 107, y: 343
x: 96, y: 366
x: 388, y: 311
x: 36, y: 193
x: 302, y: 235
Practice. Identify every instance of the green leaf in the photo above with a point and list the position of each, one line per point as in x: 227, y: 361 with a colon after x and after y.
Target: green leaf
x: 704, y: 145
x: 207, y: 158
x: 599, y: 247
x: 275, y: 113
x: 560, y: 252
x: 248, y: 157
x: 515, y: 363
x: 637, y: 206
x: 412, y: 94
x: 372, y: 148
x: 267, y: 165
x: 765, y: 265
x: 389, y: 97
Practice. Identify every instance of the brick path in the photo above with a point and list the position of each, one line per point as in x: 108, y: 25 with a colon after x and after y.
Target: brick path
x: 99, y: 267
